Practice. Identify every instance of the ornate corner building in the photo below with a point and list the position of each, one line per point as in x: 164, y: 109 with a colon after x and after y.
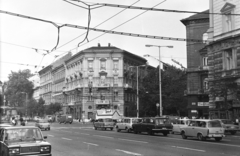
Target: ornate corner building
x: 224, y: 59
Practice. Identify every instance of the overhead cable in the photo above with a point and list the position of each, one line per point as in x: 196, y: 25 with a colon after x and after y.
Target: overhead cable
x: 154, y: 9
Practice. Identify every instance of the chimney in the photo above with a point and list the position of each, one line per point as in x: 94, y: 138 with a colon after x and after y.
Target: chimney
x: 109, y: 44
x: 99, y: 45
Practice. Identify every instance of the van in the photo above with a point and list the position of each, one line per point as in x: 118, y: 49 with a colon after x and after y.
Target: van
x: 126, y: 124
x: 67, y: 118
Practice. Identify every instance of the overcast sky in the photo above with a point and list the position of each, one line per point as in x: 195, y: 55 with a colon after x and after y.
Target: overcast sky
x: 19, y: 36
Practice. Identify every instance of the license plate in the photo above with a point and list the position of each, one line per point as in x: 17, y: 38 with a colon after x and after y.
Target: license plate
x: 163, y: 128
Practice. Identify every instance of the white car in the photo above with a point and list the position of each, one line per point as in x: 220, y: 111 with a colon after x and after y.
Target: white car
x: 181, y: 123
x: 126, y: 123
x: 203, y: 129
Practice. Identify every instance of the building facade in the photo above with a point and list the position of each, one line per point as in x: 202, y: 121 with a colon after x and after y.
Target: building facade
x: 46, y: 84
x: 97, y: 82
x: 224, y: 59
x: 197, y: 67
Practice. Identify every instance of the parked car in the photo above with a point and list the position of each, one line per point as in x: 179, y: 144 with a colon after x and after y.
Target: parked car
x: 43, y: 124
x: 67, y: 118
x: 35, y: 118
x: 126, y: 123
x: 23, y: 140
x: 179, y: 124
x: 153, y: 125
x: 229, y: 126
x: 203, y: 129
x: 49, y: 118
x: 104, y: 124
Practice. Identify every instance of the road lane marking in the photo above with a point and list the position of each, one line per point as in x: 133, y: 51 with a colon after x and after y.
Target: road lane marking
x: 84, y: 133
x: 192, y: 149
x: 90, y: 143
x: 231, y: 145
x: 66, y: 139
x: 50, y: 135
x: 103, y: 136
x: 128, y: 152
x: 133, y: 140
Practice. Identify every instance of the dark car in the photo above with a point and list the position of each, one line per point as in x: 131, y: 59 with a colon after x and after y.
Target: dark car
x: 23, y: 140
x: 153, y: 125
x: 67, y: 118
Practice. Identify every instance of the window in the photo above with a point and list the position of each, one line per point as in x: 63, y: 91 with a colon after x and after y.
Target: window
x: 205, y: 61
x: 102, y: 79
x: 103, y: 65
x: 115, y: 95
x: 205, y: 83
x: 115, y: 65
x: 115, y: 80
x: 229, y: 59
x: 90, y: 65
x: 227, y: 18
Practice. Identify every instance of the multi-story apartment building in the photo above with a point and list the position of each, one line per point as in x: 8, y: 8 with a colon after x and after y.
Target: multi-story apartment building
x: 197, y: 67
x: 99, y: 81
x: 224, y: 59
x: 46, y: 84
x: 58, y: 82
x: 36, y: 86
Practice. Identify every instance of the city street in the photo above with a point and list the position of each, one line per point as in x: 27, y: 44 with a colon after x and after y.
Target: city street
x: 82, y: 139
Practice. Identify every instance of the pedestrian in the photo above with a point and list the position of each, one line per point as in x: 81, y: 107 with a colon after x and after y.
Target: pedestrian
x: 14, y: 123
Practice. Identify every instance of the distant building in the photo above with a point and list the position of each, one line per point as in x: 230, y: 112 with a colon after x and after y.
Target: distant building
x: 46, y: 84
x: 99, y: 82
x: 197, y: 66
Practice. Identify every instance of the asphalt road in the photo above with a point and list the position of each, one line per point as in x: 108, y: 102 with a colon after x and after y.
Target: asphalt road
x: 81, y: 139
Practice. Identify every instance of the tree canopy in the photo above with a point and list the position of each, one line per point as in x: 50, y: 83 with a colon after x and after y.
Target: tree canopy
x: 18, y: 87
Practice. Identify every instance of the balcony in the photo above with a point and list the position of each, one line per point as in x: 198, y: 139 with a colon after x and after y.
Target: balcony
x: 227, y: 74
x: 127, y: 86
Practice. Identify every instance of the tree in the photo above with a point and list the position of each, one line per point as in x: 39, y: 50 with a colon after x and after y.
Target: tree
x: 17, y: 87
x: 53, y: 108
x: 174, y: 82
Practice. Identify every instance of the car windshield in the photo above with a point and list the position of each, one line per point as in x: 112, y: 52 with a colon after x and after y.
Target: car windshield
x: 136, y: 120
x: 214, y: 123
x: 43, y: 121
x: 162, y: 121
x: 227, y: 121
x: 22, y: 134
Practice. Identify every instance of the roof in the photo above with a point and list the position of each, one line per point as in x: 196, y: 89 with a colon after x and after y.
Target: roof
x: 198, y: 16
x: 17, y: 127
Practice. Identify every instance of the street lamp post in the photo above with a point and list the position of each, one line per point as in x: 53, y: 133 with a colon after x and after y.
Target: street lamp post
x: 25, y: 101
x: 160, y: 81
x: 137, y: 89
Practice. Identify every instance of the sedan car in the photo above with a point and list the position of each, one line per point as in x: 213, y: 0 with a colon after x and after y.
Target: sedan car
x: 23, y: 140
x: 43, y: 124
x: 104, y: 124
x: 229, y: 126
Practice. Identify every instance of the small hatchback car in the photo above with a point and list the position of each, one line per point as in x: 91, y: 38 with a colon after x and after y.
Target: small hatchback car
x: 23, y: 140
x: 203, y: 129
x: 43, y: 124
x: 104, y: 124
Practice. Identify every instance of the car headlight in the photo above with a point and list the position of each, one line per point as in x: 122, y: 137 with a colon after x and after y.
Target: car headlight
x: 46, y: 149
x: 14, y: 150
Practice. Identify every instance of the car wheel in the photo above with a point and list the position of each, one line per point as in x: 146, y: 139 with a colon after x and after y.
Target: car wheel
x: 183, y: 135
x: 233, y: 132
x: 111, y: 129
x: 200, y: 137
x: 165, y: 133
x: 49, y: 129
x: 218, y: 139
x: 118, y: 130
x: 70, y: 122
x: 135, y: 131
x: 149, y: 132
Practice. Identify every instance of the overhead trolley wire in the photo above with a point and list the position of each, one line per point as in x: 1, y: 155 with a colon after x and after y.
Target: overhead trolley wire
x: 154, y: 9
